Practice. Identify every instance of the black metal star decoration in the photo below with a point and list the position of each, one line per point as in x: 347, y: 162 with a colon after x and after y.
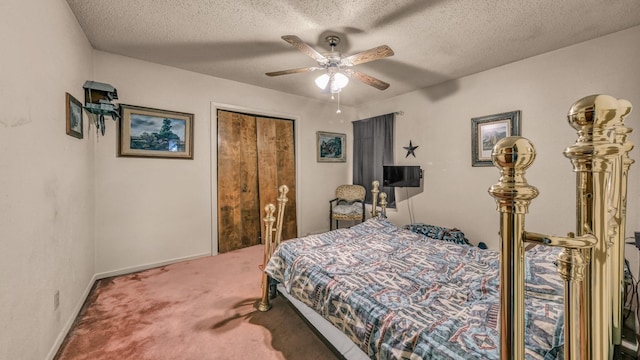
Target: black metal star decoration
x: 410, y: 149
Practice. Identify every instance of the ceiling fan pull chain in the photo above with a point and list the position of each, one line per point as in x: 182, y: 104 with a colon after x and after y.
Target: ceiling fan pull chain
x: 338, y: 111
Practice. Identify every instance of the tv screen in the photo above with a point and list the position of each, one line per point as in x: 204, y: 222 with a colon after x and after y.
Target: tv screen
x: 401, y: 176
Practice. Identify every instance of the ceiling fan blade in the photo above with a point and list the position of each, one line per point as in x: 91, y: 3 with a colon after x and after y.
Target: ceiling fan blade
x: 293, y: 71
x: 302, y: 46
x: 379, y: 52
x: 367, y: 79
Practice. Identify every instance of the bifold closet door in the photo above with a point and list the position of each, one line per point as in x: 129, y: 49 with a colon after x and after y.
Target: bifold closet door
x: 255, y: 156
x: 276, y: 166
x: 239, y: 220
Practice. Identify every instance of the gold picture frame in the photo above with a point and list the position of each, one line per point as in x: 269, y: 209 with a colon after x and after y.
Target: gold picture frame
x: 487, y: 130
x: 148, y: 132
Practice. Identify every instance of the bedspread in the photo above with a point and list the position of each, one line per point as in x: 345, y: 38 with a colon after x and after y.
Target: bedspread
x: 400, y: 295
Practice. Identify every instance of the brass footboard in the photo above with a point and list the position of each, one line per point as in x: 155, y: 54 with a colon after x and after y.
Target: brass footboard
x: 271, y: 241
x: 592, y: 262
x: 274, y: 236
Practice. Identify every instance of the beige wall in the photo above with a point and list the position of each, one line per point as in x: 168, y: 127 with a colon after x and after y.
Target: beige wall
x: 46, y: 177
x: 71, y: 209
x: 150, y: 211
x: 543, y: 88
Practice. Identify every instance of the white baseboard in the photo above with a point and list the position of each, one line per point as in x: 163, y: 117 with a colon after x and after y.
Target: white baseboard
x: 72, y: 318
x: 74, y: 314
x: 147, y: 266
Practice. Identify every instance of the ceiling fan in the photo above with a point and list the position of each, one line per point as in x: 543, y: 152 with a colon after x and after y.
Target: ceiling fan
x: 336, y: 65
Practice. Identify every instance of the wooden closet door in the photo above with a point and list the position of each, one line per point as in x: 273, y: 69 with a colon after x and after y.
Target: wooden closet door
x: 255, y: 156
x: 239, y: 221
x: 276, y: 166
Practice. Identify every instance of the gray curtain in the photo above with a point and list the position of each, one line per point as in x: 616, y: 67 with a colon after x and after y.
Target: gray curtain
x: 373, y: 148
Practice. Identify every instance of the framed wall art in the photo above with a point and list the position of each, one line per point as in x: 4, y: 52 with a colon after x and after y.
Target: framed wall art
x: 147, y: 132
x: 487, y: 130
x: 74, y: 116
x: 332, y: 147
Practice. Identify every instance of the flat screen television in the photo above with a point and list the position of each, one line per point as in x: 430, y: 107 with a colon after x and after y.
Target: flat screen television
x: 401, y: 176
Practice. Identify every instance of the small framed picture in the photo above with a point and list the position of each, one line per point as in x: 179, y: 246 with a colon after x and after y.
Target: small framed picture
x: 74, y: 116
x: 331, y: 147
x: 147, y: 132
x: 487, y: 130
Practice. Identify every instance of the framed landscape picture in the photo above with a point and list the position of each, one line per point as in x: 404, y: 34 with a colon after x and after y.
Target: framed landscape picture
x: 74, y: 116
x: 487, y: 130
x: 147, y: 132
x: 331, y: 147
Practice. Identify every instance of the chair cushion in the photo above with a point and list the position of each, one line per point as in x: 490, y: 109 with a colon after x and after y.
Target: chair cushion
x: 343, y: 209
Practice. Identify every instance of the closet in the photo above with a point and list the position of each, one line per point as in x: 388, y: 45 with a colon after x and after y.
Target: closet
x: 256, y: 155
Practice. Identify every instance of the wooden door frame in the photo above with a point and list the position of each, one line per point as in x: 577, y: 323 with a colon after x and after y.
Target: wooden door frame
x: 213, y: 164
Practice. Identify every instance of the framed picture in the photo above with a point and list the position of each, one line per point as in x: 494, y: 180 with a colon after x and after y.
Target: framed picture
x: 487, y: 130
x: 332, y: 147
x: 74, y: 116
x: 147, y: 132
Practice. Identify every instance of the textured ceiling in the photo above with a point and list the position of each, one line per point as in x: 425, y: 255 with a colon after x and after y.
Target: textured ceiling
x: 434, y: 41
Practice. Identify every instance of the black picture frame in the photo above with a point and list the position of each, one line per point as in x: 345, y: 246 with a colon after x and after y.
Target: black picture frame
x: 331, y: 147
x: 74, y: 116
x: 487, y: 130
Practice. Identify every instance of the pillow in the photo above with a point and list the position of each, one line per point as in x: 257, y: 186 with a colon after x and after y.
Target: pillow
x: 439, y: 233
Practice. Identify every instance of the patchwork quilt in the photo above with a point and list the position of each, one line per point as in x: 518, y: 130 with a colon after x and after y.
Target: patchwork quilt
x: 398, y: 294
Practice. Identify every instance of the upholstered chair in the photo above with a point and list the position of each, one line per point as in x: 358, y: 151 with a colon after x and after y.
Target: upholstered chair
x: 348, y: 204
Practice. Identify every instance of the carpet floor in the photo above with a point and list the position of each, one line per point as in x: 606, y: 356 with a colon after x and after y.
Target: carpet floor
x: 197, y: 309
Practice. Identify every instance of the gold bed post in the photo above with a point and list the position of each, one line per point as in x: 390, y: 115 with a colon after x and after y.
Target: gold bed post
x: 383, y: 204
x: 374, y: 198
x: 269, y: 209
x: 599, y: 122
x: 282, y: 202
x: 600, y: 160
x: 513, y: 156
x: 272, y: 241
x: 621, y: 169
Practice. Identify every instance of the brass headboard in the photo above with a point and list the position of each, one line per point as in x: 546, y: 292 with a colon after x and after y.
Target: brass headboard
x: 592, y: 260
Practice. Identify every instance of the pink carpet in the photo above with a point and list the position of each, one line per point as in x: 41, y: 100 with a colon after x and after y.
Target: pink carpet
x: 198, y: 309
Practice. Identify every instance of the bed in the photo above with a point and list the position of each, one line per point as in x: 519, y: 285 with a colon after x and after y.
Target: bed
x: 397, y: 294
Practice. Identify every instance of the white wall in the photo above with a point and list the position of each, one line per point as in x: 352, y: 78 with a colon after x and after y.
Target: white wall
x: 438, y: 120
x: 46, y: 177
x: 150, y: 211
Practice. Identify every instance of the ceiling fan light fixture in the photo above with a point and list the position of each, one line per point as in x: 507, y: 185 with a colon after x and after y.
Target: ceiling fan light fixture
x: 337, y: 84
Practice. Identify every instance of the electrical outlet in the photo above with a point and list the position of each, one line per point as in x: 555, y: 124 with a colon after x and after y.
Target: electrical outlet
x: 56, y: 300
